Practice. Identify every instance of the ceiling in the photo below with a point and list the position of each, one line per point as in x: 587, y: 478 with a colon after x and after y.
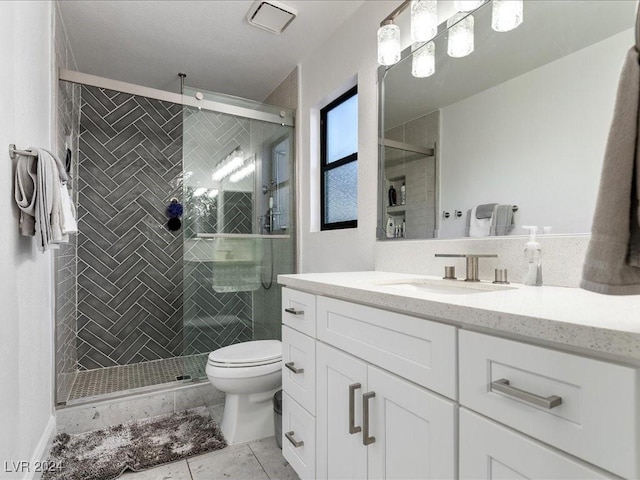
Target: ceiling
x: 149, y: 42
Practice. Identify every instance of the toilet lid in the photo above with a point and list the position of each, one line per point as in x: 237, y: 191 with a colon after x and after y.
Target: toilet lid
x: 258, y: 352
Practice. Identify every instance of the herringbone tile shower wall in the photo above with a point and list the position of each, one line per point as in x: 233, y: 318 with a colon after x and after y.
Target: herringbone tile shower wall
x: 129, y: 265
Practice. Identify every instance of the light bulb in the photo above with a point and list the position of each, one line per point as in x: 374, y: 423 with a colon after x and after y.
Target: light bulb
x: 461, y: 42
x: 389, y: 49
x: 506, y: 15
x: 424, y: 59
x: 424, y: 20
x: 467, y: 5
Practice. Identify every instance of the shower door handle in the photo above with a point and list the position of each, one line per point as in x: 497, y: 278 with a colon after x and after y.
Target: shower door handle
x: 293, y: 311
x: 290, y: 366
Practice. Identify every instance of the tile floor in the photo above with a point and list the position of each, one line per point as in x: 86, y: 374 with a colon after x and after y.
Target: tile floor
x: 101, y: 381
x: 259, y: 460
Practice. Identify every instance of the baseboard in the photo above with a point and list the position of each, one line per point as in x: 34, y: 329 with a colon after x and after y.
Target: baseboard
x: 41, y: 452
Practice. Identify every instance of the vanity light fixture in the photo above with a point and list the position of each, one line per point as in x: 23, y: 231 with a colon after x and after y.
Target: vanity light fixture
x: 213, y: 193
x: 424, y: 20
x: 506, y: 15
x: 424, y: 59
x: 461, y: 41
x: 230, y: 164
x: 389, y: 48
x: 198, y: 192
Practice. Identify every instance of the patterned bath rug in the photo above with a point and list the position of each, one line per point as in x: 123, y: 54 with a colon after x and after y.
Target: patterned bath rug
x: 137, y: 445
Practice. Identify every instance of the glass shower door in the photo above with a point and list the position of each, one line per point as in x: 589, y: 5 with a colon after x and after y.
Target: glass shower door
x: 237, y: 228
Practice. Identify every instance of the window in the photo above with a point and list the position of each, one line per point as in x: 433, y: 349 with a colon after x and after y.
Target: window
x: 339, y: 162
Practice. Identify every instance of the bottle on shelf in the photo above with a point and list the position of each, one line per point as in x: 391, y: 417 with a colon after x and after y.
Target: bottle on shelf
x: 403, y: 194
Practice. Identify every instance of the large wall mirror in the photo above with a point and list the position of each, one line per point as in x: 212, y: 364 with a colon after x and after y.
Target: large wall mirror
x: 519, y: 125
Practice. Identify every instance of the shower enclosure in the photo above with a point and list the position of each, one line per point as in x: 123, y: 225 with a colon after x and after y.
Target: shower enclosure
x: 140, y: 304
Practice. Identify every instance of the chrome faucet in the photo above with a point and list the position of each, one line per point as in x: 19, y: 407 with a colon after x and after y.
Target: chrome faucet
x: 472, y: 262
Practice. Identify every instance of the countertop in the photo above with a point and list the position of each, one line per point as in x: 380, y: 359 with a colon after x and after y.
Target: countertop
x: 571, y: 318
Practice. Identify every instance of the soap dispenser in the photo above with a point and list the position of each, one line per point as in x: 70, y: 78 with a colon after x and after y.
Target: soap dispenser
x: 533, y: 254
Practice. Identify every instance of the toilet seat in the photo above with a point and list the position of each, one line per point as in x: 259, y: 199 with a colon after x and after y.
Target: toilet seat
x: 247, y: 354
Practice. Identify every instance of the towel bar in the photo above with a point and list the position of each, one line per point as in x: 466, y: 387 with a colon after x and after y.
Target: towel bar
x: 14, y: 152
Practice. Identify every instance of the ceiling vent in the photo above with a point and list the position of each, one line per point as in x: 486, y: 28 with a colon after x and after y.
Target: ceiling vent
x: 272, y: 15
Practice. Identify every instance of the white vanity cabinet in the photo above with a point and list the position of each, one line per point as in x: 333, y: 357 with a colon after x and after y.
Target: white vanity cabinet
x: 376, y: 410
x: 370, y: 393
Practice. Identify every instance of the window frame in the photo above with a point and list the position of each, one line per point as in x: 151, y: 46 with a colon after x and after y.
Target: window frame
x: 326, y: 167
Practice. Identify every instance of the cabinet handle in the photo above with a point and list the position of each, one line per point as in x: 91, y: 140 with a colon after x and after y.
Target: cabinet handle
x: 353, y: 428
x: 503, y: 386
x: 294, y: 369
x: 366, y: 439
x: 293, y: 441
x: 293, y: 311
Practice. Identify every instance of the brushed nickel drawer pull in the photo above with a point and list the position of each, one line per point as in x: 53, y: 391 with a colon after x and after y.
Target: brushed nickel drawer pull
x: 366, y: 439
x: 353, y: 428
x: 503, y: 386
x: 290, y: 366
x: 293, y: 441
x: 293, y: 311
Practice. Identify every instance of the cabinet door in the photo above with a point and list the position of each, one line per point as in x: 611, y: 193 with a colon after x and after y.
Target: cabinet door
x: 492, y: 452
x: 414, y: 430
x: 298, y: 438
x: 340, y: 454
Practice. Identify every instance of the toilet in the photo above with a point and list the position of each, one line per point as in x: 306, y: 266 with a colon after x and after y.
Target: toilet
x: 249, y: 373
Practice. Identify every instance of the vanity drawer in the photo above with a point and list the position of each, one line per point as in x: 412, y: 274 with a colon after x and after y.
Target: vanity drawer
x: 596, y: 418
x: 489, y: 451
x: 416, y: 349
x: 299, y: 311
x: 298, y: 438
x: 299, y: 367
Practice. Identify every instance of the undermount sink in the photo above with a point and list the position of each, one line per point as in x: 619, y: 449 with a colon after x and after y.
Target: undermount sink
x: 447, y: 287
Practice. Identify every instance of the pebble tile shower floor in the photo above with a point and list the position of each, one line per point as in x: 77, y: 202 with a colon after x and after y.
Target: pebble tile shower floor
x: 102, y: 381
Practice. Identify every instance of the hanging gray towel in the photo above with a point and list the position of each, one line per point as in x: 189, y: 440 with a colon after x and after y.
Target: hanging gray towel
x: 612, y: 263
x: 501, y: 220
x: 485, y: 211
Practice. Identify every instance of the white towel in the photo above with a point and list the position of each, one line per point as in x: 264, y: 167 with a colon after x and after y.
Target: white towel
x: 479, y: 227
x: 69, y: 224
x: 38, y: 195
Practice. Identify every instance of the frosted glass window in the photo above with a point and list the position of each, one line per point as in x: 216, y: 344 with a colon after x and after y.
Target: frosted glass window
x: 341, y: 193
x: 342, y: 130
x: 339, y: 162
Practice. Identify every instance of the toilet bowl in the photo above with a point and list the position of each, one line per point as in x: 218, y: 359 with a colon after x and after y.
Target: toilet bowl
x: 249, y: 374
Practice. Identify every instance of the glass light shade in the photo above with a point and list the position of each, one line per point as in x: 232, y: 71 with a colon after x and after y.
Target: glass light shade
x: 424, y: 59
x: 506, y: 15
x: 424, y: 20
x: 389, y: 44
x: 467, y: 5
x: 461, y: 42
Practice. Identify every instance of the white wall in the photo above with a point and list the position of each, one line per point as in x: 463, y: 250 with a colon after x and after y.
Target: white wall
x: 26, y: 321
x: 350, y: 52
x: 536, y: 141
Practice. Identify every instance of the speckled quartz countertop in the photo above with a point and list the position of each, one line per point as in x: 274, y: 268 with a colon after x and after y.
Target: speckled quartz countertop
x: 581, y: 321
